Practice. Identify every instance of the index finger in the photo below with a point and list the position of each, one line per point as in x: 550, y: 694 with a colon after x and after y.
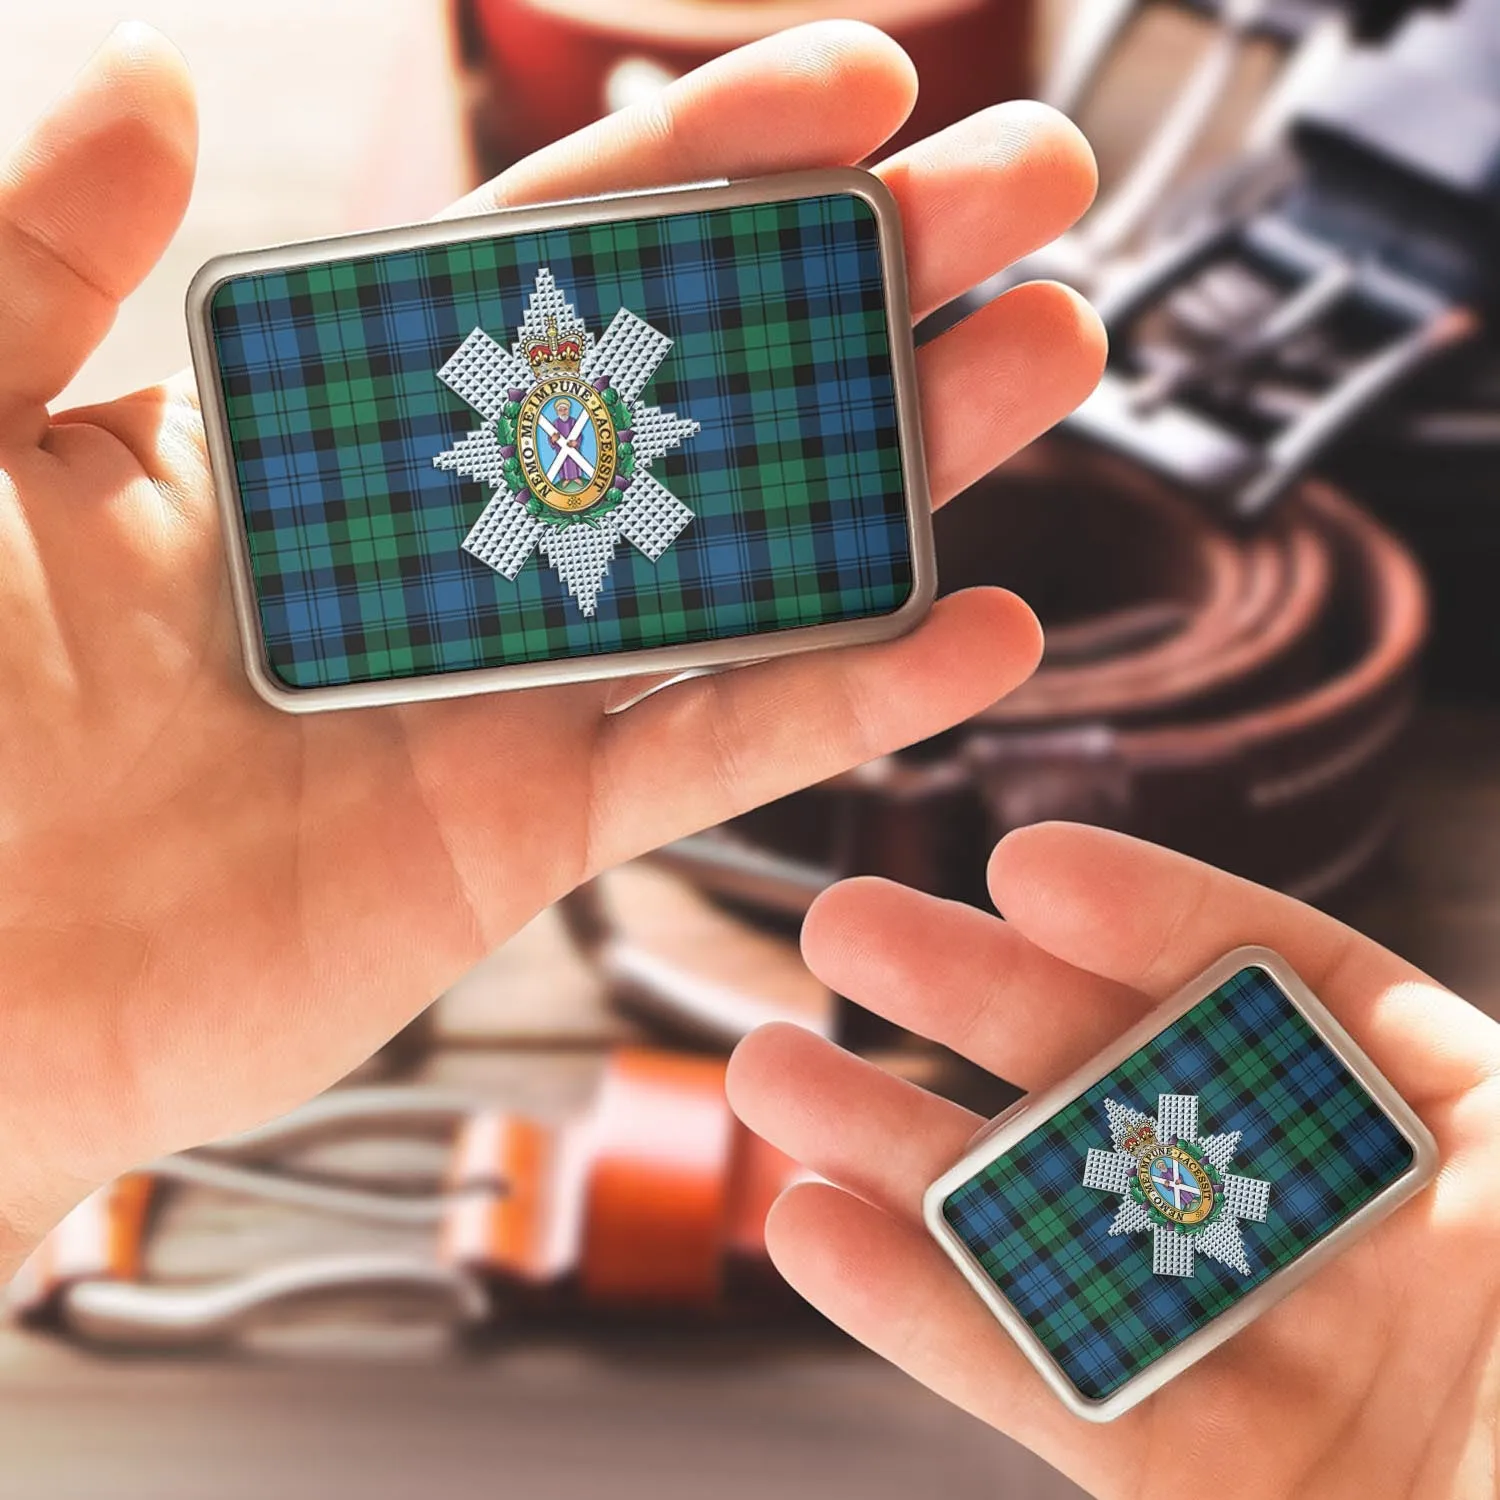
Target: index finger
x: 1151, y: 919
x: 973, y: 197
x: 777, y: 105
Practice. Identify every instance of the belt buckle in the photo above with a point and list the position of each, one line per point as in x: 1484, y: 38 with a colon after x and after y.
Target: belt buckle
x: 88, y: 1280
x: 1125, y: 1222
x: 1312, y: 37
x: 653, y: 1196
x: 1214, y: 419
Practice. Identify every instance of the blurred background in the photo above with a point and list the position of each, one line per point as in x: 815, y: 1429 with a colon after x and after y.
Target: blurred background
x: 519, y: 1252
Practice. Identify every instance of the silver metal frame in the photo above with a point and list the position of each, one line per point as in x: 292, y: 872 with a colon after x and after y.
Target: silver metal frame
x: 585, y: 211
x: 996, y: 1138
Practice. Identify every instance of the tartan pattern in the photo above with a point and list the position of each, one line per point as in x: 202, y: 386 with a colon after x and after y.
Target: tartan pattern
x: 335, y: 411
x: 1257, y: 1066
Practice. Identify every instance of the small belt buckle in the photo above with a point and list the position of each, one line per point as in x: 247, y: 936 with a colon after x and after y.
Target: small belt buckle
x: 1126, y: 1221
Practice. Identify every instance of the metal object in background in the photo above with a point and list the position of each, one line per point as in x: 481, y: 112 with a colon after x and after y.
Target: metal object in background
x: 743, y: 876
x: 547, y: 67
x: 1272, y: 286
x: 89, y: 1277
x: 653, y: 1198
x: 1095, y: 29
x: 103, y: 1311
x: 1239, y: 698
x: 1308, y: 34
x: 1248, y: 345
x: 1310, y: 40
x: 686, y: 968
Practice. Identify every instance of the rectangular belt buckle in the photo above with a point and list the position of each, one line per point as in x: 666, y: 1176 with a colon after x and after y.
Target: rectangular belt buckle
x: 652, y: 433
x: 1212, y: 412
x: 1125, y: 1222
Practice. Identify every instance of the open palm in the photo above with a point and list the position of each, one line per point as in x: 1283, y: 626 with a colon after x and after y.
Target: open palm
x: 1378, y: 1377
x: 209, y: 909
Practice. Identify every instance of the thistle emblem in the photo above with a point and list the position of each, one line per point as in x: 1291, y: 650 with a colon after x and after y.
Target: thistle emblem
x: 567, y: 445
x: 1175, y: 1184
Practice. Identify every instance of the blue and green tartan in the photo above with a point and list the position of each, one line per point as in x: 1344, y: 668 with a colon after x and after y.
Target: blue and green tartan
x: 782, y: 353
x: 1257, y: 1066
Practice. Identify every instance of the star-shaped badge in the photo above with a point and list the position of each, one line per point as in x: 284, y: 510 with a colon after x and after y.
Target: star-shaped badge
x: 1175, y: 1184
x: 567, y: 445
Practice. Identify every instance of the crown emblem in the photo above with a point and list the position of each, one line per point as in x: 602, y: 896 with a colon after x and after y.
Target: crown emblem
x: 1140, y: 1140
x: 553, y: 354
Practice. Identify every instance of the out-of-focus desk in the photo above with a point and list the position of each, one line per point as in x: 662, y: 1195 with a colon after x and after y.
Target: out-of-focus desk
x: 643, y: 1419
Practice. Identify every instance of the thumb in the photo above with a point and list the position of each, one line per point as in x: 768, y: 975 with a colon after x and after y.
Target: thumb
x: 88, y: 201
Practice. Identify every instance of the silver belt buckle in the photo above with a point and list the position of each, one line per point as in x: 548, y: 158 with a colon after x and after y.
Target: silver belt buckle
x: 1253, y: 297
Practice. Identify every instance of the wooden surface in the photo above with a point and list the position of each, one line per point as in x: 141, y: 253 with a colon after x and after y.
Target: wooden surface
x: 633, y: 1422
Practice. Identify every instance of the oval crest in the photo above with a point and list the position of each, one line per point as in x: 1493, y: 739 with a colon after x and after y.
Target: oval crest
x: 567, y: 444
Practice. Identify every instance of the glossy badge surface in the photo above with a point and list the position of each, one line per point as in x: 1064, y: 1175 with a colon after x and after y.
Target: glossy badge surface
x: 1124, y: 1223
x: 645, y: 433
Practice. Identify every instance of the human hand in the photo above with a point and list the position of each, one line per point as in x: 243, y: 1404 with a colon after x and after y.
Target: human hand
x: 1379, y: 1376
x: 209, y: 909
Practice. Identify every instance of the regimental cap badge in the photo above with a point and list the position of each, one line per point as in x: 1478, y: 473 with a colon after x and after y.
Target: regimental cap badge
x: 567, y: 444
x: 1176, y: 1184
